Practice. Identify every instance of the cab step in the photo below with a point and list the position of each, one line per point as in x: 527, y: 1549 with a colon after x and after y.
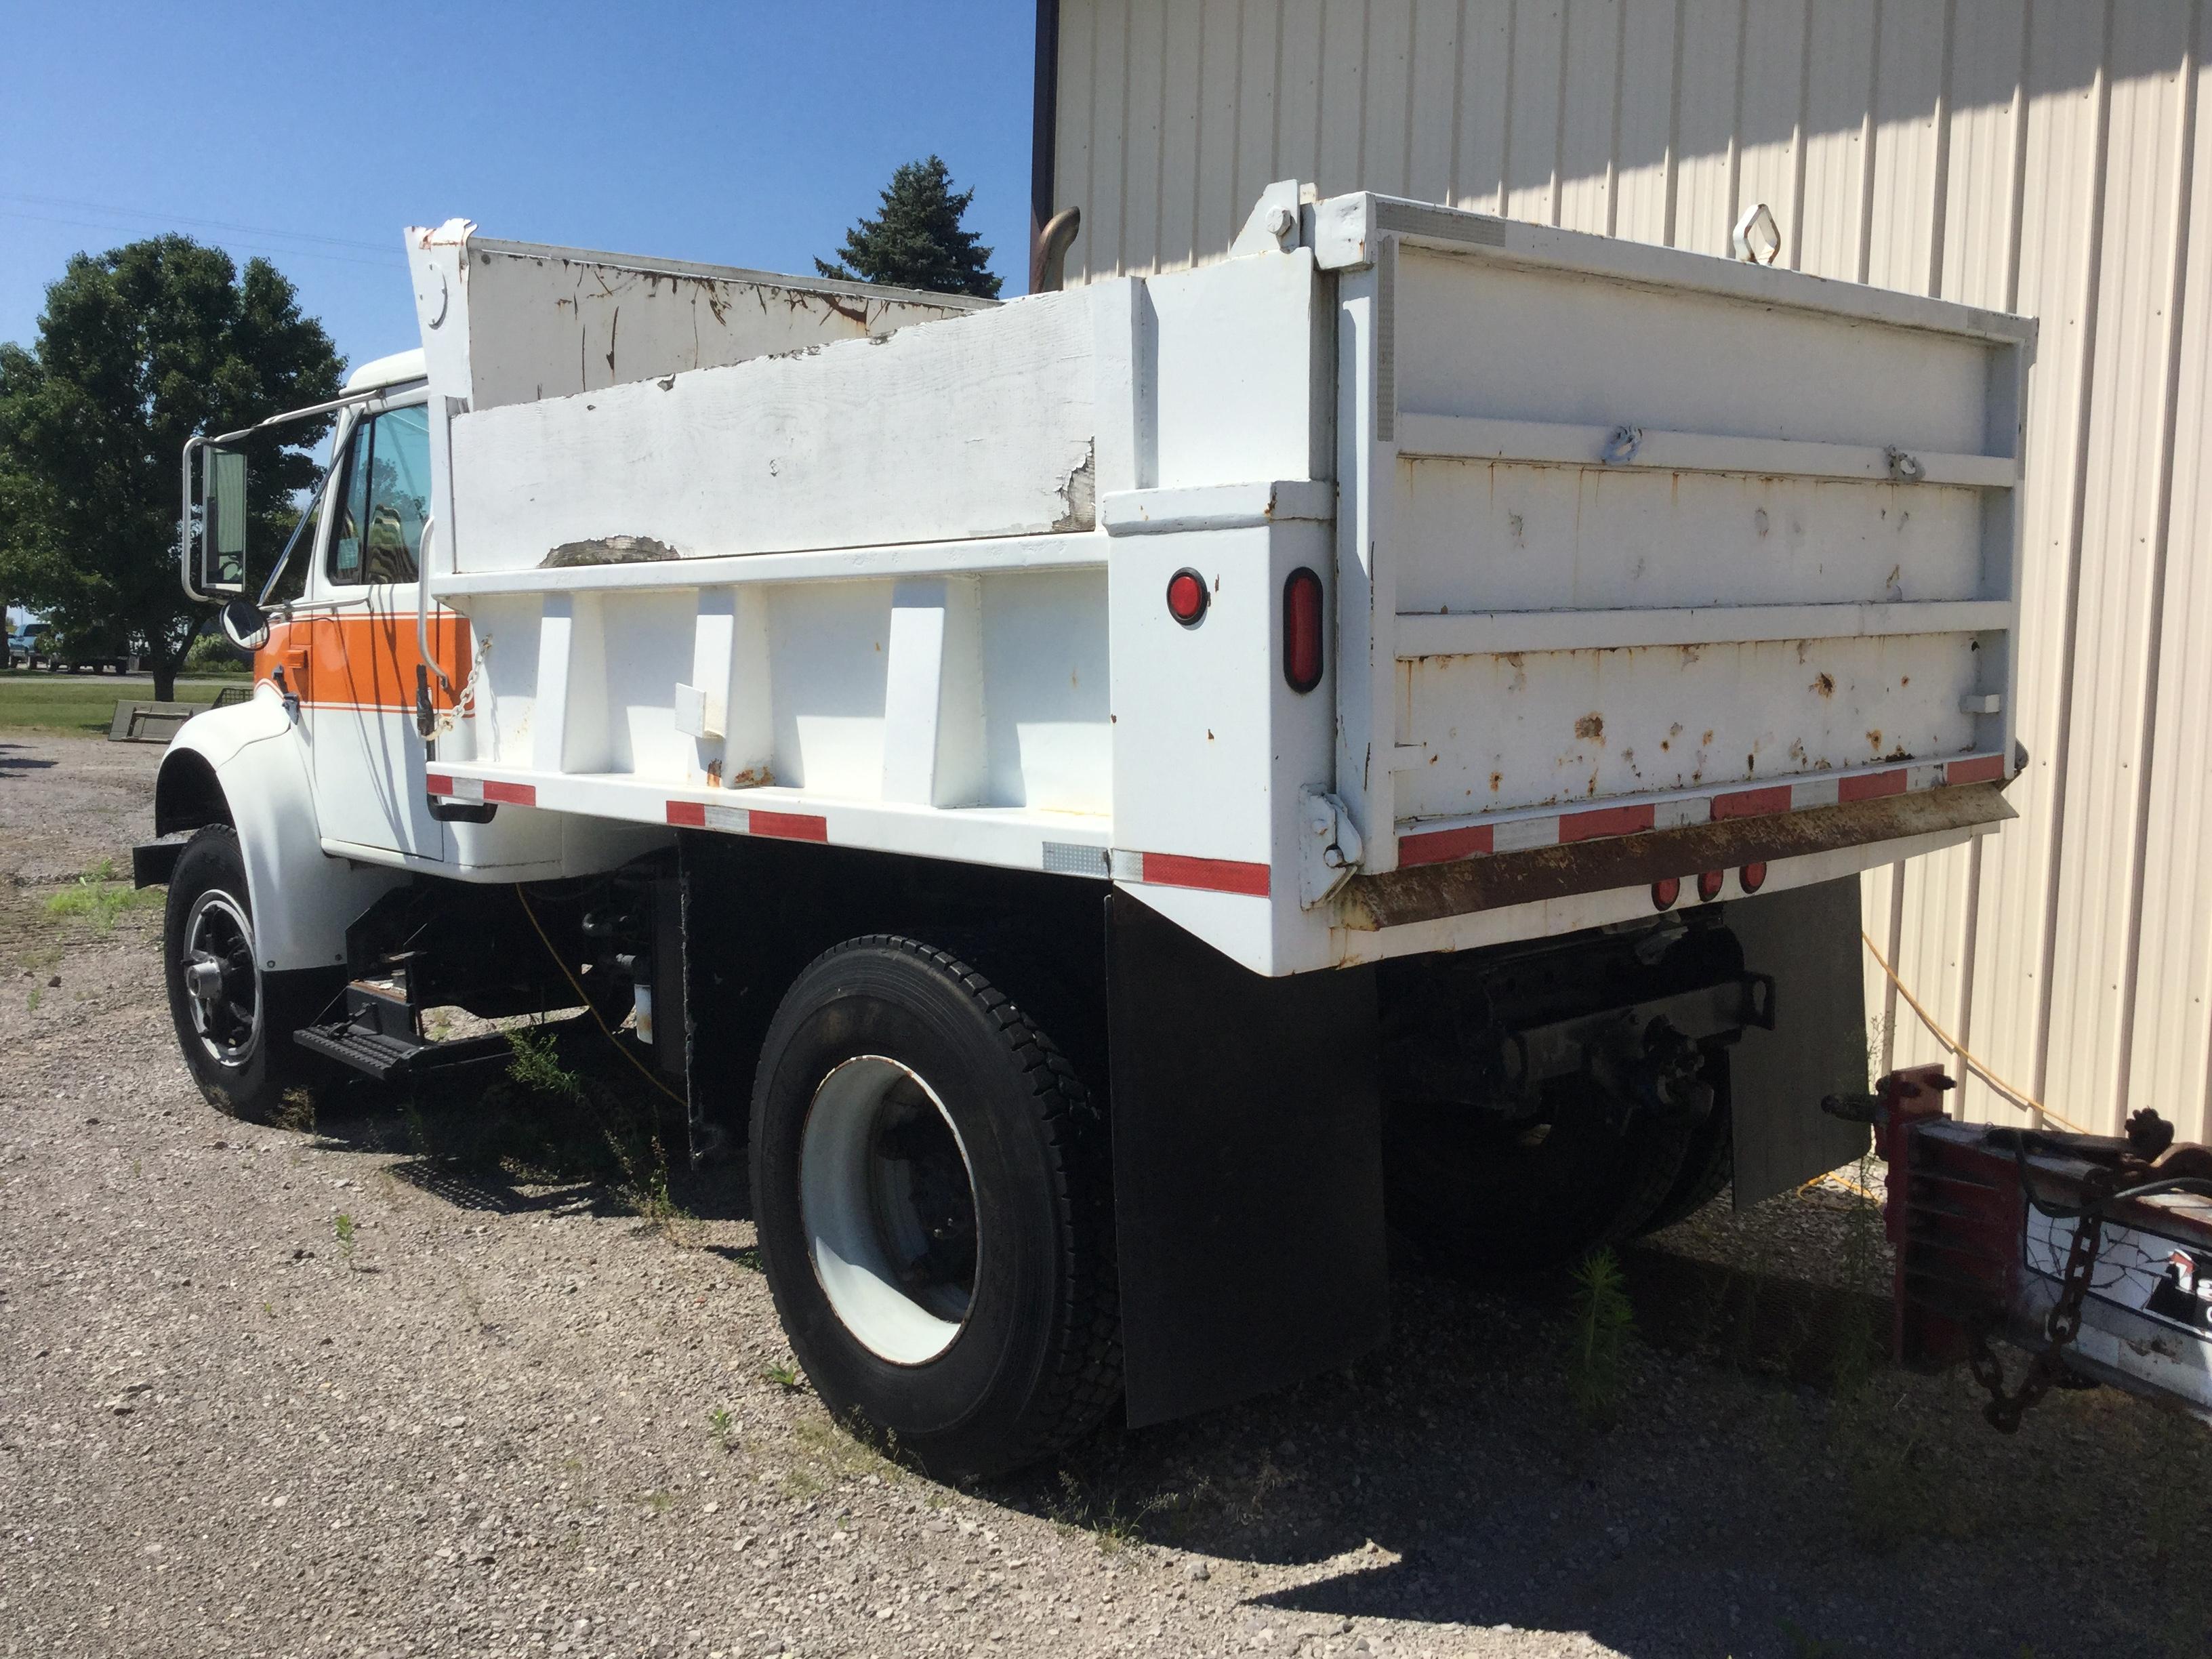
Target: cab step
x: 377, y: 1036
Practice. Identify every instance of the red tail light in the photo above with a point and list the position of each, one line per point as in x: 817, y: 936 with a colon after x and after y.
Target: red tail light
x: 1187, y: 597
x: 1665, y: 892
x: 1752, y: 876
x: 1710, y: 885
x: 1301, y: 629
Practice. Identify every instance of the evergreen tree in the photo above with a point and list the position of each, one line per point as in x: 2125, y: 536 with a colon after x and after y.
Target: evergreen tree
x: 918, y: 241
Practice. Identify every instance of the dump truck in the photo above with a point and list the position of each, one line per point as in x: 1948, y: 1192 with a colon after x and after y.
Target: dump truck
x: 1108, y: 806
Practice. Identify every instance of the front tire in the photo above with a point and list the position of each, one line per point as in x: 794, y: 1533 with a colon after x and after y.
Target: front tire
x: 233, y: 1020
x: 930, y: 1182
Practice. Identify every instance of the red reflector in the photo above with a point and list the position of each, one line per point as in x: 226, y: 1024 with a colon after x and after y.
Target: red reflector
x: 1709, y: 885
x: 1752, y: 876
x: 1187, y: 597
x: 1301, y: 629
x: 1665, y: 892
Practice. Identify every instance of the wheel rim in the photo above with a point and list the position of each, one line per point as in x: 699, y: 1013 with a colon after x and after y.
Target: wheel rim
x: 222, y: 988
x: 887, y: 1199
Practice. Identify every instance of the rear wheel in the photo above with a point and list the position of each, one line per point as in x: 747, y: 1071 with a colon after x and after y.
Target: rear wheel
x: 1480, y: 1193
x: 1708, y: 1161
x: 930, y: 1184
x: 233, y: 1020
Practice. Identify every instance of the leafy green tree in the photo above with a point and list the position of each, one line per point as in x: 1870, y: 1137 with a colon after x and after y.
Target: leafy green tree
x: 918, y: 241
x: 138, y: 349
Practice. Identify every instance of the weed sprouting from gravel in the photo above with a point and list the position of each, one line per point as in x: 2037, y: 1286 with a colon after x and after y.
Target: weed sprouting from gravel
x: 296, y: 1111
x: 785, y: 1377
x: 628, y: 1128
x: 343, y: 1228
x: 1603, y: 1320
x: 1077, y: 1509
x: 829, y: 1453
x: 537, y: 1065
x: 722, y: 1428
x: 31, y: 1005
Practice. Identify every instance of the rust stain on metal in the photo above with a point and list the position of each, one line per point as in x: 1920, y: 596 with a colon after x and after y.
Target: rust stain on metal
x: 753, y: 777
x: 1430, y: 892
x: 1590, y: 728
x: 714, y: 774
x: 1826, y: 685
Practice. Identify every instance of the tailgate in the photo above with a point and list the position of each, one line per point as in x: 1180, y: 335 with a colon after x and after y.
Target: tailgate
x: 1649, y: 538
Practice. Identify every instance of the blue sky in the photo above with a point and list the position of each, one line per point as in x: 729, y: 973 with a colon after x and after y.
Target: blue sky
x: 739, y: 134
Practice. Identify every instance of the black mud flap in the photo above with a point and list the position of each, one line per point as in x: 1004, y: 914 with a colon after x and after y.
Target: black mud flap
x: 1247, y: 1168
x: 1808, y: 938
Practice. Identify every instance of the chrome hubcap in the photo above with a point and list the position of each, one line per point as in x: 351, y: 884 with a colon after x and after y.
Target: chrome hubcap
x: 221, y: 986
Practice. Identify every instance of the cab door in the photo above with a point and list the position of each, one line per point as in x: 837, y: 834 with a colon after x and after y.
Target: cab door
x: 361, y: 649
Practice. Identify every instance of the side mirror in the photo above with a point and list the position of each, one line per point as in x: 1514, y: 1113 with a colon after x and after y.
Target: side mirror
x: 244, y: 625
x: 221, y: 565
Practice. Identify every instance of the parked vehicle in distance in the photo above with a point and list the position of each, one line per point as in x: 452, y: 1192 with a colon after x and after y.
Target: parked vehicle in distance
x: 1386, y: 724
x: 41, y: 645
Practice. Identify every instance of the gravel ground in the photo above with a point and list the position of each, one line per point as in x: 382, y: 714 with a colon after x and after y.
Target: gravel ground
x: 513, y: 1410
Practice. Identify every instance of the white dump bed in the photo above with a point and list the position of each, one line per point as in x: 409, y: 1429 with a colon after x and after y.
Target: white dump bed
x: 1621, y: 548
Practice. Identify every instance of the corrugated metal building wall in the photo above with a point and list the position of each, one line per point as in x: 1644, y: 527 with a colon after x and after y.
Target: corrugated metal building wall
x: 2037, y: 156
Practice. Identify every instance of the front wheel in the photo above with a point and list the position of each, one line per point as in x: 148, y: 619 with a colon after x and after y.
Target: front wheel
x: 930, y: 1181
x: 234, y: 1022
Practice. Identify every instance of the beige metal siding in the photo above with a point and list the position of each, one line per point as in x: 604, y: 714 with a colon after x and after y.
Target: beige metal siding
x: 2038, y: 155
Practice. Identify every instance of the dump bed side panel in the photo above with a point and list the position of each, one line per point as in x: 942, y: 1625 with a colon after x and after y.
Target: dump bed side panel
x: 977, y: 426
x: 546, y: 322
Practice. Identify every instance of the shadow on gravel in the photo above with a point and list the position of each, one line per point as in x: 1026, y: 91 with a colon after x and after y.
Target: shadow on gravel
x: 1760, y: 1484
x: 569, y: 1129
x: 1754, y: 1481
x: 13, y: 759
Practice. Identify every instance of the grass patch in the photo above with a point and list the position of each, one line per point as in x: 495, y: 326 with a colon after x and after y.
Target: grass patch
x: 98, y: 896
x: 79, y: 704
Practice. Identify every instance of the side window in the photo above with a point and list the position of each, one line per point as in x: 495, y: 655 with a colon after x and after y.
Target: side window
x: 350, y: 493
x: 387, y: 498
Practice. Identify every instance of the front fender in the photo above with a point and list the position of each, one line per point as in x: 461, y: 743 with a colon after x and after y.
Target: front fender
x: 247, y: 765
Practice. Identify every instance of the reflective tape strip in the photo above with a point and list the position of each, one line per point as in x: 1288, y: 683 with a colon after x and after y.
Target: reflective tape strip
x: 747, y: 821
x: 1067, y: 858
x: 1798, y: 795
x: 1180, y: 870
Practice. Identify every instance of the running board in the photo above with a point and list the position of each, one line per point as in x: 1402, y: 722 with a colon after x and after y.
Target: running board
x: 377, y: 1038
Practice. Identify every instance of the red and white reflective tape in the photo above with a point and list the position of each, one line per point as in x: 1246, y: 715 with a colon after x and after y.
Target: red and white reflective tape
x: 747, y: 821
x: 507, y: 794
x: 1179, y: 870
x: 1517, y: 834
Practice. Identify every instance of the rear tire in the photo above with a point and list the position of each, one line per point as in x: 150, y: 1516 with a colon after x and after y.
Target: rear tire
x: 1708, y: 1161
x: 931, y: 1185
x: 1480, y: 1196
x: 233, y: 1020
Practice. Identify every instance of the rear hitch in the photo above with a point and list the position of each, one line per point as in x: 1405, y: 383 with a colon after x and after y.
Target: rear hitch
x: 2093, y: 1253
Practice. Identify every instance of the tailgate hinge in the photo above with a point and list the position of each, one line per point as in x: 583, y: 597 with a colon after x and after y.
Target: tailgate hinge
x: 1329, y: 847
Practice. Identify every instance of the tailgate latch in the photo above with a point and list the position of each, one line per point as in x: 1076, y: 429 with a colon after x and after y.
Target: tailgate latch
x: 1330, y: 849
